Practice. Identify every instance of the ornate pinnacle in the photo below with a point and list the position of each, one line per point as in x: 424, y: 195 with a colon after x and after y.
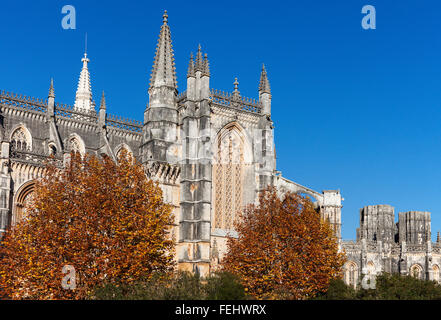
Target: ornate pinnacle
x: 264, y: 86
x: 199, y: 61
x: 165, y: 17
x: 85, y: 60
x: 236, y: 91
x: 103, y: 102
x: 164, y: 71
x: 51, y: 89
x: 206, y: 66
x: 437, y: 237
x: 191, y: 71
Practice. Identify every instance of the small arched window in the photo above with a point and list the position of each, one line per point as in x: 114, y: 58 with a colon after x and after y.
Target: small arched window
x: 21, y: 140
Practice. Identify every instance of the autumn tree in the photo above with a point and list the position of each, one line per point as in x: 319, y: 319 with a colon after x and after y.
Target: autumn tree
x: 284, y: 250
x: 105, y: 219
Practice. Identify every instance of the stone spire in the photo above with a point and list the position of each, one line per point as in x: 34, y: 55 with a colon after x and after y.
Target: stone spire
x: 164, y: 71
x: 437, y: 237
x: 264, y: 86
x: 191, y: 67
x: 51, y: 89
x: 83, y: 98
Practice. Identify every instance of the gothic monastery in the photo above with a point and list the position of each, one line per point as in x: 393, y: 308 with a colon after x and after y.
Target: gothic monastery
x: 211, y: 152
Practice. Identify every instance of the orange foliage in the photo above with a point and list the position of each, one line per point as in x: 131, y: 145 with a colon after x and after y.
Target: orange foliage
x: 105, y: 219
x: 284, y: 249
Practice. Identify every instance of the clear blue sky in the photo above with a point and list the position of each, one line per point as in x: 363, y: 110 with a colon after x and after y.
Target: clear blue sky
x: 356, y: 110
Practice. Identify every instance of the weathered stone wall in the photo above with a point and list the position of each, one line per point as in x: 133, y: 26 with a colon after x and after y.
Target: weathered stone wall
x: 382, y: 247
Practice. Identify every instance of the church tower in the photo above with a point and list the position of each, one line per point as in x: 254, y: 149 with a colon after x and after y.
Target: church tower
x: 160, y: 148
x: 195, y: 223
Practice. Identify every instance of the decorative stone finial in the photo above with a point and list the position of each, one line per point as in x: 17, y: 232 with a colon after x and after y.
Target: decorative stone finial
x: 191, y: 71
x: 165, y: 17
x: 236, y: 92
x: 85, y: 60
x: 206, y: 66
x: 103, y: 101
x: 199, y: 60
x: 51, y: 89
x: 264, y: 85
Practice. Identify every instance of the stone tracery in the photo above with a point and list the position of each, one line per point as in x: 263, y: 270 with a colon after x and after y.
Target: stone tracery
x: 228, y: 177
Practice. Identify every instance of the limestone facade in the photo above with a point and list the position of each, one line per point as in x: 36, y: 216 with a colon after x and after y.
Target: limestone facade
x: 382, y: 245
x: 211, y: 151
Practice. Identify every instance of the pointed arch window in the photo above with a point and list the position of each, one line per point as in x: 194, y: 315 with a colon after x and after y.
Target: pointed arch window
x: 228, y: 171
x: 351, y: 274
x: 21, y: 140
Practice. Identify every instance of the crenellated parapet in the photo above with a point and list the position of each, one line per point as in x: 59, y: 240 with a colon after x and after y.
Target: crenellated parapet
x: 22, y: 102
x: 34, y: 108
x: 237, y: 102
